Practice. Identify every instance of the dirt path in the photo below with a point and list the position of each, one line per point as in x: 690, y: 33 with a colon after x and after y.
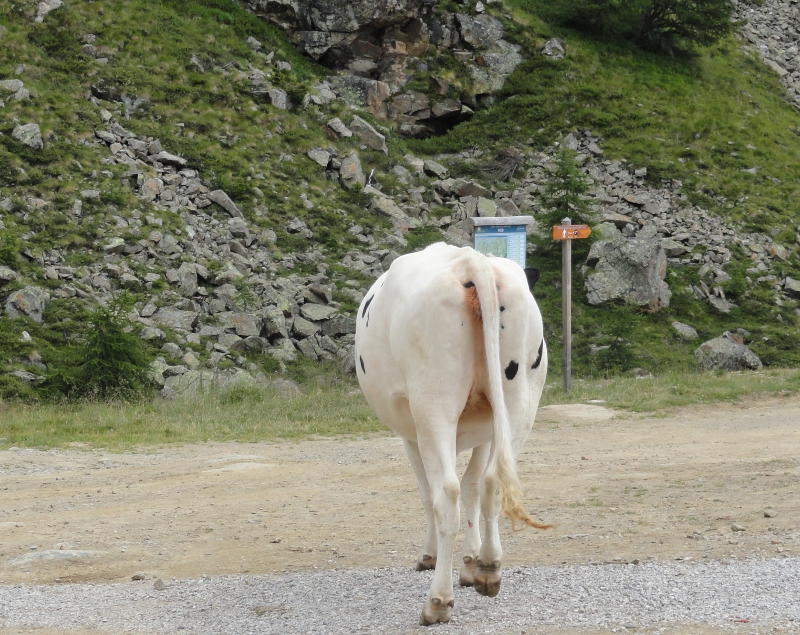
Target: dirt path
x: 620, y: 489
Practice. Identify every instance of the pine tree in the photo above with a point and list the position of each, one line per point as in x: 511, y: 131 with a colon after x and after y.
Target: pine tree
x: 562, y: 196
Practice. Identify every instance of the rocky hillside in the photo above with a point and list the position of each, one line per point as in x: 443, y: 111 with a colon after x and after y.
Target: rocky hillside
x: 245, y: 172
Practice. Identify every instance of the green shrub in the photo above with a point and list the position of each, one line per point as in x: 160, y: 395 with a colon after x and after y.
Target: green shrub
x: 656, y: 24
x: 111, y: 362
x: 564, y: 188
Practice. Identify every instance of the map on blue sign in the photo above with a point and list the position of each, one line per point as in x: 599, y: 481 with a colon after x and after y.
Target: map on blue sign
x: 507, y: 241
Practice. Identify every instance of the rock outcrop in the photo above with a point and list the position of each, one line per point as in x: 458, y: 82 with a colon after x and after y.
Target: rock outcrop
x: 377, y: 48
x: 772, y: 28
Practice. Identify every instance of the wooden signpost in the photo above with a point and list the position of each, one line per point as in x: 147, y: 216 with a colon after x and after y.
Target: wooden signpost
x: 567, y: 233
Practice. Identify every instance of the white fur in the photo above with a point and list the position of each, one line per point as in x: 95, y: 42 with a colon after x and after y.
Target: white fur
x: 426, y: 355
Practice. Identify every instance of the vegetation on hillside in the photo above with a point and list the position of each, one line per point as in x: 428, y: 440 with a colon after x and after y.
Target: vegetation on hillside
x: 687, y: 104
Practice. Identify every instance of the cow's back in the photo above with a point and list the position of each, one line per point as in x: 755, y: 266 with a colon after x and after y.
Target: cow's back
x: 419, y: 339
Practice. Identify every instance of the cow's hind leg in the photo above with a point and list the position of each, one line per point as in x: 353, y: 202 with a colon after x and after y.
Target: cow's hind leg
x: 427, y: 558
x: 438, y: 453
x: 471, y: 497
x: 488, y: 571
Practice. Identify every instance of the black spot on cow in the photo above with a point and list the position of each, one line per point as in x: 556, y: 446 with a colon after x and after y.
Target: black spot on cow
x: 366, y: 305
x: 361, y: 360
x: 511, y: 370
x: 538, y: 357
x: 469, y: 285
x: 502, y: 308
x: 533, y: 276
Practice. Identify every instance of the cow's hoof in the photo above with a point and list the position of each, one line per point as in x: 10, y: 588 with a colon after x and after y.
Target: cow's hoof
x: 467, y: 575
x: 487, y: 578
x: 434, y: 611
x: 426, y: 562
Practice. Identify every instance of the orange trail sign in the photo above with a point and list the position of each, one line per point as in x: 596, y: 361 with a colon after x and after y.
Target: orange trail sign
x: 571, y: 232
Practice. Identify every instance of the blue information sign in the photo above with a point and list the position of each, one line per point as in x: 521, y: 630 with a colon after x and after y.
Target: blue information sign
x: 502, y: 237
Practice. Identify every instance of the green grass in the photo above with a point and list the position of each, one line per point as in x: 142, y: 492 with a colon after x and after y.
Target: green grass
x: 238, y: 414
x: 325, y: 408
x: 681, y: 117
x: 674, y: 389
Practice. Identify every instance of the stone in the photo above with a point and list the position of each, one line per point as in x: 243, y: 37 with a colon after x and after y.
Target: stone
x: 339, y: 325
x: 174, y: 371
x: 170, y: 159
x: 371, y: 137
x: 296, y: 226
x: 631, y: 270
x: 172, y: 349
x: 792, y: 287
x: 673, y: 248
x: 554, y: 48
x: 224, y: 201
x: 351, y: 173
x: 29, y: 302
x: 250, y: 343
x: 274, y: 323
x: 114, y: 246
x: 151, y: 188
x: 386, y: 206
x: 685, y: 331
x: 479, y: 31
x: 191, y: 360
x: 175, y: 319
x: 245, y: 324
x: 433, y: 168
x: 317, y: 312
x: 11, y: 85
x: 45, y: 7
x: 150, y: 333
x: 725, y: 353
x: 361, y: 92
x: 338, y: 127
x: 7, y: 275
x: 187, y: 279
x: 302, y: 328
x: 253, y: 44
x: 189, y: 382
x: 770, y: 513
x: 27, y: 377
x: 319, y: 156
x: 720, y: 304
x: 486, y: 207
x: 306, y: 347
x: 29, y: 135
x: 278, y: 98
x: 159, y: 585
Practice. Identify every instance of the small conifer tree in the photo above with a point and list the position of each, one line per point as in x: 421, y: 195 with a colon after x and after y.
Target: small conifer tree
x: 564, y: 187
x: 112, y: 362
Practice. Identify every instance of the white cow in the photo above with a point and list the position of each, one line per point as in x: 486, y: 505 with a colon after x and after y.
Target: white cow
x: 450, y: 354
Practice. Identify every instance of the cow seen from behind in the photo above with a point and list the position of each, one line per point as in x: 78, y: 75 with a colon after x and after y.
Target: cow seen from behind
x: 450, y: 355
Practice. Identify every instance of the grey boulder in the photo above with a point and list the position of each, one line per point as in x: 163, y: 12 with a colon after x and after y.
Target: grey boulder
x: 685, y: 331
x: 224, y: 201
x: 351, y: 173
x: 29, y: 135
x: 726, y: 352
x: 368, y: 134
x: 27, y: 302
x: 630, y: 271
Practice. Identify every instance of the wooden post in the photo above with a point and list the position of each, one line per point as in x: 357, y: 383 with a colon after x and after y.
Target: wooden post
x: 566, y: 309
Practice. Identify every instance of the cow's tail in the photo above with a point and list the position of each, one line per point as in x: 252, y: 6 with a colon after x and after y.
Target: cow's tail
x: 501, y: 469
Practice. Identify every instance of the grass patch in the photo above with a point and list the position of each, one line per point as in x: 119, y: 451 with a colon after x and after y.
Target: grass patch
x: 236, y: 414
x: 675, y: 389
x: 253, y: 414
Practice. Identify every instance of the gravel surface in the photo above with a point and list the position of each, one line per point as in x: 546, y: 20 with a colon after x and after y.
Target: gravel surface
x: 766, y: 592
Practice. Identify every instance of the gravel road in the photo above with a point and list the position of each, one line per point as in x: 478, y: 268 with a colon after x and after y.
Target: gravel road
x: 765, y: 592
